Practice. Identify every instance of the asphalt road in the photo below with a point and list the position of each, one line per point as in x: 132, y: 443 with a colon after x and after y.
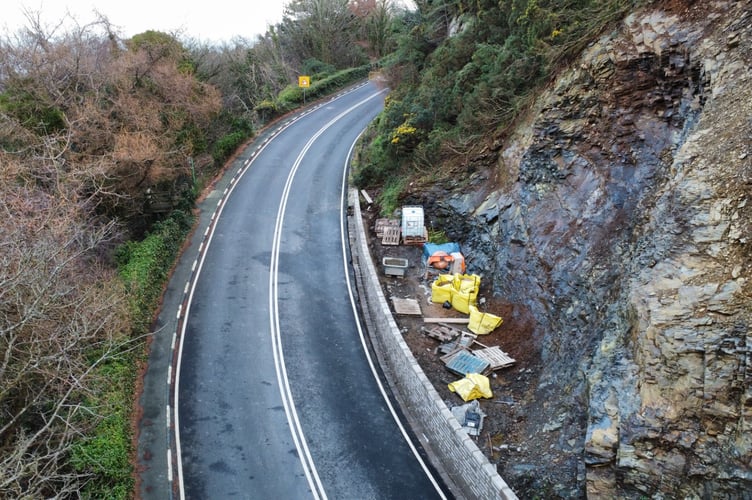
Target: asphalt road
x: 275, y: 393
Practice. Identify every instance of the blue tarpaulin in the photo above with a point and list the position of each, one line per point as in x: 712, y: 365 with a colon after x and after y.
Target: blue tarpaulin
x: 431, y: 248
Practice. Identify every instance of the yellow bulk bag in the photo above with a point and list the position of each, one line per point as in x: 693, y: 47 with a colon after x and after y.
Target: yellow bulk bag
x: 473, y: 386
x: 482, y: 323
x: 442, y: 289
x: 467, y: 283
x: 465, y: 291
x: 461, y: 302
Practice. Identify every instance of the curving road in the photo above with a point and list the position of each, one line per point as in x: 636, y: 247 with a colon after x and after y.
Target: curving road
x: 276, y: 396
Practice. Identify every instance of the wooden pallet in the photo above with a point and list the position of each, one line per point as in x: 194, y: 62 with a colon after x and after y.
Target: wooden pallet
x: 442, y: 333
x: 416, y: 240
x: 380, y: 224
x: 463, y: 362
x: 391, y: 236
x: 495, y: 357
x: 463, y: 342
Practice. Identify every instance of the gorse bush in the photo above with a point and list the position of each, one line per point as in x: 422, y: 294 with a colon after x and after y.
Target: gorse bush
x: 467, y: 67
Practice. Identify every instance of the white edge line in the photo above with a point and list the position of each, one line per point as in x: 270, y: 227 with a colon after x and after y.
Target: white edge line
x: 343, y: 233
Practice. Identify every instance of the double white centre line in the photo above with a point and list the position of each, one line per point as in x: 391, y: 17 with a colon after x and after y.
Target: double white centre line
x: 292, y: 417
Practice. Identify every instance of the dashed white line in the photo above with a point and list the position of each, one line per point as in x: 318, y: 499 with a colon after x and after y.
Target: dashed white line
x: 169, y: 465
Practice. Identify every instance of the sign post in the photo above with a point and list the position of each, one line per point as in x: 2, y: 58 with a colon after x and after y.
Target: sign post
x: 304, y: 81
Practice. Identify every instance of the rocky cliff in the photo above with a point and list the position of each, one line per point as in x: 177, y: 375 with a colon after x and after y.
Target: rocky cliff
x: 617, y: 213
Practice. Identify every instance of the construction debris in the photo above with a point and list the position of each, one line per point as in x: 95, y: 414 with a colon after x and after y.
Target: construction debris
x: 442, y: 333
x: 495, y: 357
x: 462, y: 342
x: 470, y: 416
x: 406, y: 306
x: 473, y: 386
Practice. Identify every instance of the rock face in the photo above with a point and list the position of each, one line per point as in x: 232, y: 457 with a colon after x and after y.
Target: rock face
x: 619, y: 214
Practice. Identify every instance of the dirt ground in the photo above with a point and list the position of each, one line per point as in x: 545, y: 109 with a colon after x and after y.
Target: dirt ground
x: 503, y: 437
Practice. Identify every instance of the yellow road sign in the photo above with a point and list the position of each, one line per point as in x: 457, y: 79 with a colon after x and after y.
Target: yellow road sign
x: 304, y: 81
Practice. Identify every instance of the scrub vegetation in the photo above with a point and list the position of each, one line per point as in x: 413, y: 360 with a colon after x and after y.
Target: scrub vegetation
x: 463, y: 70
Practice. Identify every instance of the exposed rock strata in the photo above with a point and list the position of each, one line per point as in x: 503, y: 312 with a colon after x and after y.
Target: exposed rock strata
x: 620, y: 216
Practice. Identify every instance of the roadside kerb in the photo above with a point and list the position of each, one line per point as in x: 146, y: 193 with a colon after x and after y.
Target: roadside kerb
x: 460, y: 458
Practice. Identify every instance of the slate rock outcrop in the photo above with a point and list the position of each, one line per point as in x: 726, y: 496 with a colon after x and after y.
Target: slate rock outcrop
x: 619, y: 213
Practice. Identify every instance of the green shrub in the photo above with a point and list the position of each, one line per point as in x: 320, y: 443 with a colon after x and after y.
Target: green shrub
x: 477, y: 80
x: 33, y: 111
x: 389, y: 199
x: 227, y: 144
x: 315, y: 67
x: 292, y: 96
x: 106, y: 453
x: 144, y: 265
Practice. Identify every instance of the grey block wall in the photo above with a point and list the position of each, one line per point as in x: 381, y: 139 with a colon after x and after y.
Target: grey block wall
x: 459, y: 456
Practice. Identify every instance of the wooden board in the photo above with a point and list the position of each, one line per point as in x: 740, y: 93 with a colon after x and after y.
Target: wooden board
x: 462, y: 321
x: 366, y: 197
x: 495, y: 357
x: 406, y: 306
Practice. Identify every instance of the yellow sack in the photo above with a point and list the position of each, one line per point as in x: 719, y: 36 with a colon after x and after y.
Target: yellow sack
x: 465, y: 291
x: 482, y: 323
x: 473, y: 386
x: 442, y: 289
x: 461, y: 302
x: 467, y: 283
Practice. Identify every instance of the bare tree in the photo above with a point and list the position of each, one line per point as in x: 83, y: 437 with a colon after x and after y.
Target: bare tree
x: 59, y: 305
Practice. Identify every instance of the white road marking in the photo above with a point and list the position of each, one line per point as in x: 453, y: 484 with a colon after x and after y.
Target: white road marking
x: 196, y: 272
x: 344, y: 237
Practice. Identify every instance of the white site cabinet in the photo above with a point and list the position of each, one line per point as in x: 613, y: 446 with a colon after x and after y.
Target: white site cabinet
x: 412, y: 221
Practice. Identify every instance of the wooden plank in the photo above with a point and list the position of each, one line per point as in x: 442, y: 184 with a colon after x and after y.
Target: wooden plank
x: 406, y: 306
x: 366, y: 197
x: 461, y: 321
